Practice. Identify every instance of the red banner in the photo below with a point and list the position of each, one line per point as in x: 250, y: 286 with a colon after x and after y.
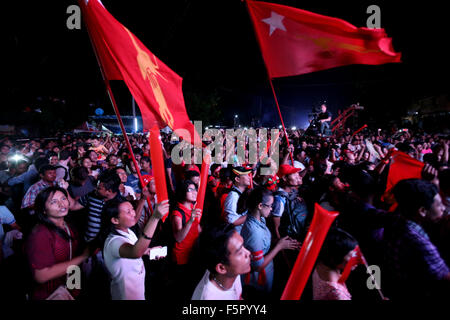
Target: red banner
x: 403, y: 167
x: 203, y: 181
x: 356, y: 259
x: 306, y: 259
x: 159, y: 170
x: 122, y: 56
x: 295, y: 41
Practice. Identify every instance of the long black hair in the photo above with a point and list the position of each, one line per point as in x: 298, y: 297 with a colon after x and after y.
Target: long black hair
x: 40, y: 210
x: 110, y: 210
x: 181, y: 191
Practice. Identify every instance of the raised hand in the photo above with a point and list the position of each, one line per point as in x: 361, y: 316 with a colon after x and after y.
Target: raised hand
x: 195, y: 213
x: 162, y: 208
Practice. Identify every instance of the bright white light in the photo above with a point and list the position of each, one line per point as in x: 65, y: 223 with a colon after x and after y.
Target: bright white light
x: 206, y: 128
x: 235, y: 115
x: 135, y: 125
x: 17, y: 157
x: 280, y: 126
x: 245, y: 128
x: 294, y: 128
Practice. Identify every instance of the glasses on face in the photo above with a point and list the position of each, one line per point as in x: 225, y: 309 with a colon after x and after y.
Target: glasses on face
x: 191, y: 190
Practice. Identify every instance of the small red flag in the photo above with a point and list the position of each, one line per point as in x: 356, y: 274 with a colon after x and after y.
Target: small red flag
x: 295, y: 41
x: 122, y: 56
x: 403, y: 167
x: 356, y: 259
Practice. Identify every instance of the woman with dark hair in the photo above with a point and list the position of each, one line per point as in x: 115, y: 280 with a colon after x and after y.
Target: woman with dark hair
x: 257, y: 239
x: 123, y: 250
x: 333, y: 256
x: 185, y: 222
x: 185, y: 225
x: 52, y: 246
x: 89, y: 165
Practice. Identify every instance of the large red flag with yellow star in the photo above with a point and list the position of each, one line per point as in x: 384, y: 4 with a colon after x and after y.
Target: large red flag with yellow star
x: 295, y: 41
x: 122, y: 56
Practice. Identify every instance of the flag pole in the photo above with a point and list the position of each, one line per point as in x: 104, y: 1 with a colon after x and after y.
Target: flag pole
x: 271, y: 84
x: 119, y: 118
x: 281, y: 118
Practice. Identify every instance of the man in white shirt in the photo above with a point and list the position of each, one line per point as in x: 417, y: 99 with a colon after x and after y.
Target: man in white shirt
x: 226, y: 259
x: 241, y: 181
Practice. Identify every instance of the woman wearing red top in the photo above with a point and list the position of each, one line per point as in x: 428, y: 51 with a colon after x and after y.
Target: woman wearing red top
x: 52, y: 246
x: 186, y: 229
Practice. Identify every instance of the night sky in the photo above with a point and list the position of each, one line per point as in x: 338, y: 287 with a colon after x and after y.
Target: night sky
x: 211, y: 44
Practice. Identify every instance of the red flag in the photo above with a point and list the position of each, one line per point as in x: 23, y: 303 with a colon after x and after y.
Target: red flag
x: 357, y: 258
x: 403, y: 167
x: 203, y: 182
x: 122, y: 56
x: 304, y: 264
x: 295, y: 41
x: 159, y: 171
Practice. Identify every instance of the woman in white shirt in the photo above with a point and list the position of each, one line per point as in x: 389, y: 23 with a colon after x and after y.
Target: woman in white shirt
x: 123, y: 249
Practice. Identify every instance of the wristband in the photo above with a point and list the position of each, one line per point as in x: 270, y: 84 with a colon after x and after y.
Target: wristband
x: 146, y: 237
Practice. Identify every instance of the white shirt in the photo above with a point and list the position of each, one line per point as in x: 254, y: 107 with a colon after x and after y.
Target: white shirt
x: 230, y: 208
x: 207, y: 290
x: 127, y: 275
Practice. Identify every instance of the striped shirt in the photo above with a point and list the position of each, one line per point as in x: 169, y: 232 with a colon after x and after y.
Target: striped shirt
x: 95, y: 205
x: 411, y: 259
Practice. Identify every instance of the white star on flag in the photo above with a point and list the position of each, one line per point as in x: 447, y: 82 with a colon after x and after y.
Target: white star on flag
x: 275, y: 21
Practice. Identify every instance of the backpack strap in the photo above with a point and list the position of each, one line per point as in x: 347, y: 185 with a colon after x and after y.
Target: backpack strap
x: 183, y: 216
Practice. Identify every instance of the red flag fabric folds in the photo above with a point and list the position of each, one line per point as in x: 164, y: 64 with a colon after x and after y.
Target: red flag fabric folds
x: 155, y: 87
x: 356, y: 259
x: 295, y: 41
x: 403, y: 167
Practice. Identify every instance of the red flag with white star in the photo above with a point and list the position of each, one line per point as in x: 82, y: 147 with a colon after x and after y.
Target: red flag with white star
x: 295, y: 41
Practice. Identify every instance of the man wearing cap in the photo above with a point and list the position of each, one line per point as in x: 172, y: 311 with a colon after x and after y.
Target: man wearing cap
x: 289, y: 211
x: 241, y: 181
x: 48, y: 179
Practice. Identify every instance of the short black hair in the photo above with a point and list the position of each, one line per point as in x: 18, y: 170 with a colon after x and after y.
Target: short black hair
x: 46, y: 167
x: 336, y: 246
x: 109, y: 156
x: 181, y: 190
x: 257, y: 196
x: 51, y: 154
x: 111, y: 180
x: 146, y: 159
x: 80, y: 173
x: 213, y: 245
x: 64, y: 154
x: 188, y: 175
x: 412, y: 194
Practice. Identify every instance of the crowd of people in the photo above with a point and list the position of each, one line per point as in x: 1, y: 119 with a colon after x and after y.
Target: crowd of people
x: 78, y: 201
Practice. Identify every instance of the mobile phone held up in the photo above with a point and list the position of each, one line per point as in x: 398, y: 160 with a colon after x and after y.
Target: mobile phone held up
x: 158, y: 252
